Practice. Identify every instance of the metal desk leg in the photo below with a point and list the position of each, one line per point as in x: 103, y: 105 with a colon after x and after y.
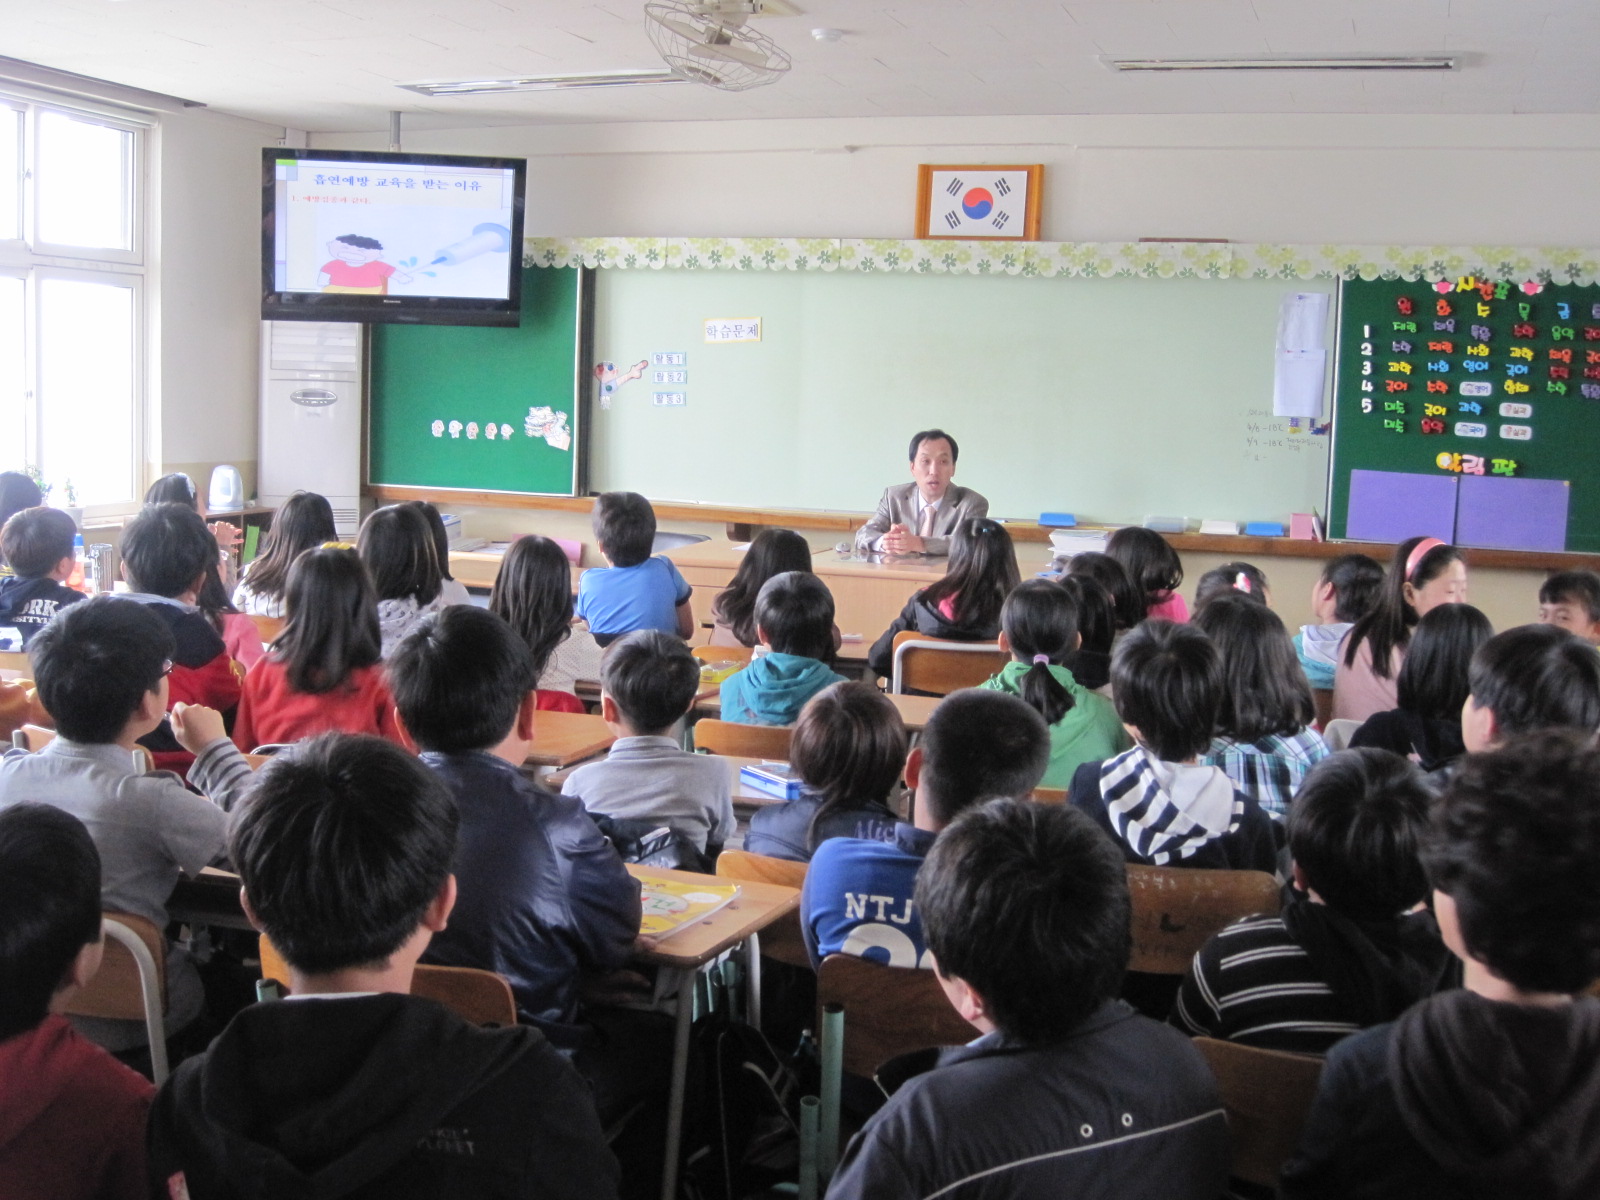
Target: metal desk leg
x: 680, y: 1078
x: 752, y: 960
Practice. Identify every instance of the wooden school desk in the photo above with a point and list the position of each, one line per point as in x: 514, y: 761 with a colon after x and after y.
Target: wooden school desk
x: 913, y: 710
x: 561, y: 739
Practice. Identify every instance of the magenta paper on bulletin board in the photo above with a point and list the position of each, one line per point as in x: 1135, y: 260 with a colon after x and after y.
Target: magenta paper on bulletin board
x: 1512, y: 514
x: 1391, y: 506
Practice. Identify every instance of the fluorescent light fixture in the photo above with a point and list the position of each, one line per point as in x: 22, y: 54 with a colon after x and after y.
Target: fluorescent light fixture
x: 1371, y: 62
x: 542, y: 83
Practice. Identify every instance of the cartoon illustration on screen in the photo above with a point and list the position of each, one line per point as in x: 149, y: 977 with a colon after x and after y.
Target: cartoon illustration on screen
x: 357, y: 266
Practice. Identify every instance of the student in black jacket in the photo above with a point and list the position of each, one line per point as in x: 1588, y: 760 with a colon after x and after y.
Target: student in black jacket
x: 37, y: 545
x: 352, y: 1087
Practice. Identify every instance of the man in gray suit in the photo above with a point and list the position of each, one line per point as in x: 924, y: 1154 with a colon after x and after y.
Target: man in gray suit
x: 920, y: 517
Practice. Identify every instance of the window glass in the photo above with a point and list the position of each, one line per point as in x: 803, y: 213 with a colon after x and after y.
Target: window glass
x: 13, y: 374
x: 86, y: 386
x: 10, y: 173
x: 83, y: 179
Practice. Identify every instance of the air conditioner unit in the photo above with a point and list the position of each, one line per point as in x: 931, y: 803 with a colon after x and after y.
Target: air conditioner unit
x: 311, y: 415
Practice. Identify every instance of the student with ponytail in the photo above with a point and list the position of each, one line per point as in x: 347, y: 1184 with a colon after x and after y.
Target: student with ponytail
x: 1039, y: 629
x: 1423, y: 574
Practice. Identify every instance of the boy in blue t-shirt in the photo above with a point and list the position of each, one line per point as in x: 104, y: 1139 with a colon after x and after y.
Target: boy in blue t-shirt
x: 637, y: 591
x: 37, y: 543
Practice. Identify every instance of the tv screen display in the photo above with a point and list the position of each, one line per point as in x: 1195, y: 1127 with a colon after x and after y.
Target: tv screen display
x: 354, y: 235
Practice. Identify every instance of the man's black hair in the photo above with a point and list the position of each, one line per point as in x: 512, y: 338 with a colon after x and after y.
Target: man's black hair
x: 165, y: 549
x: 1515, y: 842
x: 94, y: 662
x: 49, y: 908
x: 1028, y: 903
x: 933, y: 435
x: 794, y: 609
x: 458, y: 679
x: 1166, y: 680
x: 356, y: 239
x: 652, y: 678
x: 35, y: 540
x: 979, y: 744
x: 1571, y: 587
x: 1356, y: 829
x: 1537, y: 677
x: 625, y: 526
x: 341, y: 850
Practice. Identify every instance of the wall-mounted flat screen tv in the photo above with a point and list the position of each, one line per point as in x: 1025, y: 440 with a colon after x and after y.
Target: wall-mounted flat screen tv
x: 355, y: 235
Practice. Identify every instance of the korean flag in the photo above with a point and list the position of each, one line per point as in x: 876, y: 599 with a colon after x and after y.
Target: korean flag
x: 978, y: 203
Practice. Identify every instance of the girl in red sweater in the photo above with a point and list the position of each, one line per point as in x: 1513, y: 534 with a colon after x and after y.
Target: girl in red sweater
x: 323, y: 672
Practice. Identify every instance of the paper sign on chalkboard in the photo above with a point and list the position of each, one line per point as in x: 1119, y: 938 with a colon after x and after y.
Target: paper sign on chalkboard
x: 1391, y: 506
x: 1512, y: 514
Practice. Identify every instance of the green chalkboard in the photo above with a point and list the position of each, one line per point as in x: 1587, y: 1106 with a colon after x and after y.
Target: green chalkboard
x: 437, y: 391
x: 1487, y: 377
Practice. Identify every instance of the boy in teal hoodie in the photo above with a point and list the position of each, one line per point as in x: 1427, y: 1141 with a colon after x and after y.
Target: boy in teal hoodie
x: 794, y: 622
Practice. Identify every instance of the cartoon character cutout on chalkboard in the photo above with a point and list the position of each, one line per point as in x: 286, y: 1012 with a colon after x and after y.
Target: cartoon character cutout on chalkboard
x: 357, y: 266
x: 545, y: 422
x: 611, y: 379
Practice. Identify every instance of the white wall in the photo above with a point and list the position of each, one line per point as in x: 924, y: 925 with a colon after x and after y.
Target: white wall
x: 1362, y: 179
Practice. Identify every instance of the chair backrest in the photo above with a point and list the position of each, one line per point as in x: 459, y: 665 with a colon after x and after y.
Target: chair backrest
x: 940, y: 666
x: 888, y: 1011
x: 782, y: 940
x: 16, y: 660
x: 745, y: 741
x: 1044, y: 795
x: 1322, y: 701
x: 1176, y: 909
x: 32, y: 738
x: 715, y: 654
x: 1267, y: 1094
x: 1338, y: 733
x: 268, y: 627
x: 131, y: 984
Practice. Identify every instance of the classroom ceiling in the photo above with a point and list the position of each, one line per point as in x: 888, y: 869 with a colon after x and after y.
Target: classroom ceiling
x: 333, y: 65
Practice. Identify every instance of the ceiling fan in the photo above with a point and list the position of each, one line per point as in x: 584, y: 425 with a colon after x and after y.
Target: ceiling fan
x: 709, y: 43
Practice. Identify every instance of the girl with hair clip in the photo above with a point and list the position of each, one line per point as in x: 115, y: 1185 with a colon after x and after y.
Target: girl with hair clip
x: 1426, y: 725
x: 303, y: 522
x: 1423, y: 574
x: 1090, y: 663
x: 533, y: 593
x: 1263, y: 739
x: 1155, y: 569
x: 964, y: 606
x: 849, y: 748
x: 1127, y: 608
x: 397, y: 548
x: 733, y: 613
x: 1242, y: 578
x: 1039, y: 629
x: 323, y: 673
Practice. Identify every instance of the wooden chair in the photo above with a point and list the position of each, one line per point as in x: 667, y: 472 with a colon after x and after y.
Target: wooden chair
x: 782, y: 940
x: 940, y: 666
x: 745, y: 741
x: 34, y: 738
x: 1322, y: 700
x: 1338, y: 733
x: 268, y: 627
x: 1176, y: 909
x: 479, y: 997
x: 131, y: 984
x: 1044, y: 795
x: 1267, y: 1095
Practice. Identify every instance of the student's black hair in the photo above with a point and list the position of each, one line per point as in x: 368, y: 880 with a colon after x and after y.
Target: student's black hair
x: 1150, y: 560
x: 397, y: 547
x: 1388, y: 625
x: 849, y: 746
x: 1356, y: 580
x: 213, y: 599
x: 94, y: 662
x: 1264, y: 691
x: 1573, y: 587
x: 1435, y: 678
x: 1356, y: 828
x: 625, y: 526
x: 176, y: 488
x: 303, y: 522
x: 1166, y: 681
x: 1536, y: 677
x: 982, y: 572
x: 49, y: 908
x: 1515, y: 841
x: 773, y: 552
x: 459, y: 678
x: 794, y: 610
x: 1028, y: 904
x: 652, y: 678
x: 356, y: 239
x: 1240, y: 578
x: 1041, y: 622
x: 533, y: 594
x: 17, y: 492
x: 34, y: 541
x: 332, y: 621
x: 441, y: 535
x: 926, y: 435
x: 1127, y: 602
x: 979, y: 744
x: 341, y: 850
x: 165, y: 549
x: 1097, y: 624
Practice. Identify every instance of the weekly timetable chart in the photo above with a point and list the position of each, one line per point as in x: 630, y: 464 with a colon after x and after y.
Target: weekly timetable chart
x: 1468, y: 408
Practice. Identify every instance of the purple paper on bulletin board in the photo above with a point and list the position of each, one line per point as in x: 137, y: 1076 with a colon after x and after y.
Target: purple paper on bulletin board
x: 1512, y: 514
x: 1391, y: 506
